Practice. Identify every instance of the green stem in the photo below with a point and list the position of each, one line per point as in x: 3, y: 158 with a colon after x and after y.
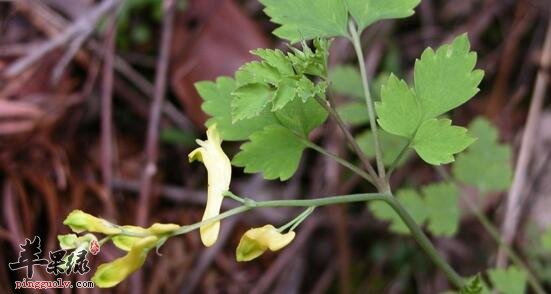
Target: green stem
x: 341, y: 161
x: 297, y: 220
x: 234, y: 197
x: 328, y: 106
x: 416, y: 231
x: 425, y: 243
x: 186, y: 229
x: 370, y: 107
x: 250, y: 204
x: 396, y: 161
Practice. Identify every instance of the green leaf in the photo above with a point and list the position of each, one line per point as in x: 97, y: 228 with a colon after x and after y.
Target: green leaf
x: 310, y: 62
x: 346, y: 80
x: 217, y: 103
x: 302, y: 117
x: 399, y: 110
x: 306, y: 89
x: 286, y: 92
x: 366, y: 12
x: 279, y: 79
x: 475, y: 285
x: 441, y: 202
x: 256, y: 72
x: 276, y: 59
x: 249, y: 101
x: 413, y: 204
x: 508, y: 281
x: 275, y: 151
x: 307, y: 19
x: 486, y: 164
x: 445, y: 79
x: 392, y: 146
x: 436, y: 141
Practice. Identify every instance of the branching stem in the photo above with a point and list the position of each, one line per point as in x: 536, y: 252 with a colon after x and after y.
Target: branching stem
x: 329, y: 107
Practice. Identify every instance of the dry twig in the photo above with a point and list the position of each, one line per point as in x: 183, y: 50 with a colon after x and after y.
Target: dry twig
x: 82, y: 26
x: 514, y: 199
x: 152, y: 140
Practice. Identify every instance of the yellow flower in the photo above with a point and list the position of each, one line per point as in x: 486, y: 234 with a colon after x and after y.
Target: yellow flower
x: 72, y: 241
x: 219, y: 176
x: 126, y: 242
x: 256, y: 241
x: 112, y: 273
x: 80, y: 221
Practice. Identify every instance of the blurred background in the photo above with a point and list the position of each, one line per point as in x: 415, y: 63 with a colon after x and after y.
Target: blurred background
x: 98, y: 113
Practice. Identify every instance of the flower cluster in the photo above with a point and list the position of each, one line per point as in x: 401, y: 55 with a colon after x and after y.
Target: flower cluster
x: 138, y: 241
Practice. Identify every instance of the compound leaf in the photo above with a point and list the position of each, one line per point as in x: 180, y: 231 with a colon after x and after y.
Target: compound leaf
x: 444, y: 80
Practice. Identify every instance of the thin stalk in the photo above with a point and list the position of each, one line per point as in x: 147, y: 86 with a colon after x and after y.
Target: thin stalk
x: 370, y: 107
x: 297, y: 220
x: 234, y: 197
x: 341, y: 161
x: 425, y: 243
x: 305, y: 216
x: 329, y: 107
x: 250, y: 204
x: 494, y: 233
x: 186, y: 229
x: 396, y: 161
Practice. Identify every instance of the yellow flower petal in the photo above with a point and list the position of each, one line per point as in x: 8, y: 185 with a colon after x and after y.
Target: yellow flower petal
x: 256, y: 241
x: 80, y: 221
x: 72, y: 241
x: 219, y: 176
x: 160, y: 229
x: 125, y: 242
x: 112, y: 273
